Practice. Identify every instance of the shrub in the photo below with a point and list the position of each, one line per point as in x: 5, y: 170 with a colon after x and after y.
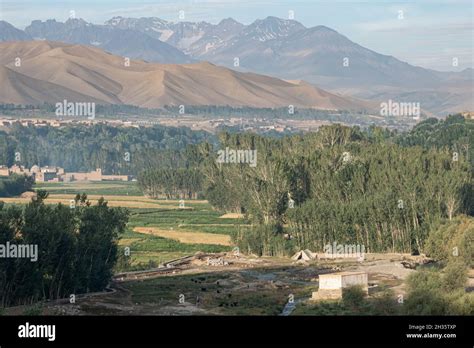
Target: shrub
x: 35, y: 310
x: 460, y: 303
x: 353, y: 297
x: 385, y: 304
x: 421, y: 302
x: 455, y: 276
x: 452, y: 240
x: 424, y: 281
x: 433, y: 292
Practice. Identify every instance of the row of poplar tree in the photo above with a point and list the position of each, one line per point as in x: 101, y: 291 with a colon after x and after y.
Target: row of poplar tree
x: 374, y: 188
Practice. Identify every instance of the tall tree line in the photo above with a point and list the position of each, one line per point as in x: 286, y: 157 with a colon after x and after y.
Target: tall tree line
x: 369, y: 187
x: 77, y: 249
x: 116, y: 150
x: 171, y: 183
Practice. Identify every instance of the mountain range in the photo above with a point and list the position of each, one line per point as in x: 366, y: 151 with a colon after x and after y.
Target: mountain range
x: 125, y: 42
x: 277, y: 47
x: 289, y: 50
x: 53, y: 71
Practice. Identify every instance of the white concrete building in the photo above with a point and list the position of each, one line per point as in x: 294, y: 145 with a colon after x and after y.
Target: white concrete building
x: 331, y: 285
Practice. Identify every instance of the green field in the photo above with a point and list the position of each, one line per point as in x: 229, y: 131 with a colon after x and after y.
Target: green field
x: 201, y: 218
x: 119, y: 188
x: 148, y: 251
x: 148, y: 248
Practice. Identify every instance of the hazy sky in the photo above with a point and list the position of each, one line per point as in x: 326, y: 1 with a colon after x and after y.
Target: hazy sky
x: 430, y: 34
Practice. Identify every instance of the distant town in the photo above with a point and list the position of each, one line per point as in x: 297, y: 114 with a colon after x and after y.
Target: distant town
x: 39, y: 122
x: 204, y: 123
x: 253, y: 120
x: 58, y: 174
x: 191, y: 121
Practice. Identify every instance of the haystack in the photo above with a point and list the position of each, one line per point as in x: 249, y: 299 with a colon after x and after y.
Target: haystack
x: 28, y: 194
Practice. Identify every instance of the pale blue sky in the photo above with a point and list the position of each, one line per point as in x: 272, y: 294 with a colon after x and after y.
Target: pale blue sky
x: 431, y: 33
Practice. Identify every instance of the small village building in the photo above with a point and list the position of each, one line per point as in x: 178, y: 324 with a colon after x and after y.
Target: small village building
x: 45, y: 176
x: 58, y: 174
x: 90, y: 176
x: 331, y: 285
x: 19, y: 169
x: 4, y: 171
x: 115, y: 178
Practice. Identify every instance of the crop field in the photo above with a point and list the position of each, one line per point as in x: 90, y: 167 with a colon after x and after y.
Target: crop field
x: 159, y: 231
x: 128, y: 188
x: 177, y: 231
x: 113, y: 201
x: 187, y: 236
x: 117, y: 194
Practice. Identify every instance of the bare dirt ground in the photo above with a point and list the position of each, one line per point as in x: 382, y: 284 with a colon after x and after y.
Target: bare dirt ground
x: 216, y: 284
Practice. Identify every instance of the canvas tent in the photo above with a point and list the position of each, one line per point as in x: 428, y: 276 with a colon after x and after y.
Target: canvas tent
x: 304, y: 255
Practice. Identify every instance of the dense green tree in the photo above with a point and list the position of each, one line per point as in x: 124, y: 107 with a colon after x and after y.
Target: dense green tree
x: 15, y: 185
x: 344, y: 185
x: 77, y: 249
x: 116, y: 150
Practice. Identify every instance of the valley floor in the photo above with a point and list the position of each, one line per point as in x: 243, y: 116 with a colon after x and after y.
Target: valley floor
x: 242, y: 285
x: 182, y: 262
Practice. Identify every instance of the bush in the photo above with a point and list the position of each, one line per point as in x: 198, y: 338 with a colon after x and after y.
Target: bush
x: 424, y: 281
x: 385, y: 304
x: 420, y: 302
x: 455, y: 276
x: 460, y: 303
x: 353, y: 297
x: 433, y: 292
x: 35, y: 310
x: 452, y: 241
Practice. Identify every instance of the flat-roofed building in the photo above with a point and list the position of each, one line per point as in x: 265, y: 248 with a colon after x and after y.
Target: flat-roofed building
x: 90, y: 176
x: 4, y: 171
x: 19, y: 169
x: 115, y: 178
x: 46, y: 176
x: 331, y: 285
x: 468, y: 115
